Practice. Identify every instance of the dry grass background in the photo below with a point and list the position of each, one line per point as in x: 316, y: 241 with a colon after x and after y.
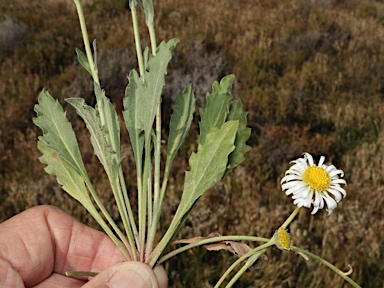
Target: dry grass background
x: 311, y: 75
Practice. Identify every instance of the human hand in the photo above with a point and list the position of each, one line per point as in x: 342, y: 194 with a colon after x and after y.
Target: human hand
x: 40, y: 244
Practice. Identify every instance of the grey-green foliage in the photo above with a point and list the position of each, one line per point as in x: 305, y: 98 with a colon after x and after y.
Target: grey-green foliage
x: 181, y: 119
x: 222, y: 142
x: 217, y: 107
x: 221, y: 147
x: 102, y: 149
x: 209, y: 162
x: 60, y: 149
x: 236, y: 112
x: 57, y: 131
x: 221, y: 107
x: 67, y: 176
x: 147, y: 7
x: 142, y: 96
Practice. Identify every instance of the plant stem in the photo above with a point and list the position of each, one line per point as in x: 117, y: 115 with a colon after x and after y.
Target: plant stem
x: 242, y: 258
x: 208, y: 241
x: 137, y: 37
x: 290, y: 218
x: 109, y: 219
x: 84, y: 32
x: 127, y: 204
x: 152, y: 224
x: 142, y: 204
x: 326, y: 263
x: 167, y: 238
x: 116, y: 188
x: 248, y: 264
x: 141, y: 179
x: 91, y: 63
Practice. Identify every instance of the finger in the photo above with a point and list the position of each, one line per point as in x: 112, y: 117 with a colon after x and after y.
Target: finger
x: 44, y: 239
x: 130, y: 274
x: 161, y: 275
x: 58, y: 280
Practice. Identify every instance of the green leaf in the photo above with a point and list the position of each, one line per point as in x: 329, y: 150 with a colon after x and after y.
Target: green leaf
x: 208, y: 164
x: 94, y: 54
x: 147, y: 7
x: 180, y: 122
x: 142, y: 96
x: 112, y: 125
x: 236, y: 112
x: 145, y: 58
x: 216, y: 110
x: 83, y: 60
x: 67, y: 176
x: 131, y: 116
x: 102, y: 149
x: 57, y: 131
x: 148, y: 10
x: 70, y: 180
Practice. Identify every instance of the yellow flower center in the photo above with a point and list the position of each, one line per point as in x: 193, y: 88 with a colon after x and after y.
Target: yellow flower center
x: 317, y: 178
x: 283, y: 239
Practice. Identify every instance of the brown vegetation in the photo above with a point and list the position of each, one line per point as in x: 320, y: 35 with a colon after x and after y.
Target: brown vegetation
x: 311, y: 75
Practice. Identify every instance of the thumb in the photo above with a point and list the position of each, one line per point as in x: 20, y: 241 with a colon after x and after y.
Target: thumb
x: 131, y: 274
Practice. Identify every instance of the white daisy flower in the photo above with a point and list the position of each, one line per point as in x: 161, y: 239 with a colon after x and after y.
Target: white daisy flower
x: 311, y: 185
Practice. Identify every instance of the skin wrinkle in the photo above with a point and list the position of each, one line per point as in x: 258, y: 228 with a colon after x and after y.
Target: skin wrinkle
x: 65, y: 282
x: 17, y: 258
x: 10, y: 275
x: 74, y: 252
x: 52, y: 229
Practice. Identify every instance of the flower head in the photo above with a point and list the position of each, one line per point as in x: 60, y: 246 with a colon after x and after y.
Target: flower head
x: 282, y: 239
x: 311, y: 184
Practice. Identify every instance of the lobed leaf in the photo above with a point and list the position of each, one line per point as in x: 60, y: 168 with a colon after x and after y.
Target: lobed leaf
x: 57, y: 131
x: 236, y: 112
x: 216, y: 110
x: 67, y: 175
x: 208, y: 164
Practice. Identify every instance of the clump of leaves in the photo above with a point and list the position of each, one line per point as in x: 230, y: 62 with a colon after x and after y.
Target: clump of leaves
x: 222, y: 143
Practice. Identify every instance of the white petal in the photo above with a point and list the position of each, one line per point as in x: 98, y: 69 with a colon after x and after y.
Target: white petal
x: 331, y: 203
x: 302, y: 193
x: 309, y: 158
x: 317, y: 200
x: 297, y: 169
x: 335, y: 172
x: 339, y: 181
x: 338, y: 188
x: 292, y: 177
x: 315, y: 209
x: 335, y: 193
x: 321, y: 161
x: 308, y: 199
